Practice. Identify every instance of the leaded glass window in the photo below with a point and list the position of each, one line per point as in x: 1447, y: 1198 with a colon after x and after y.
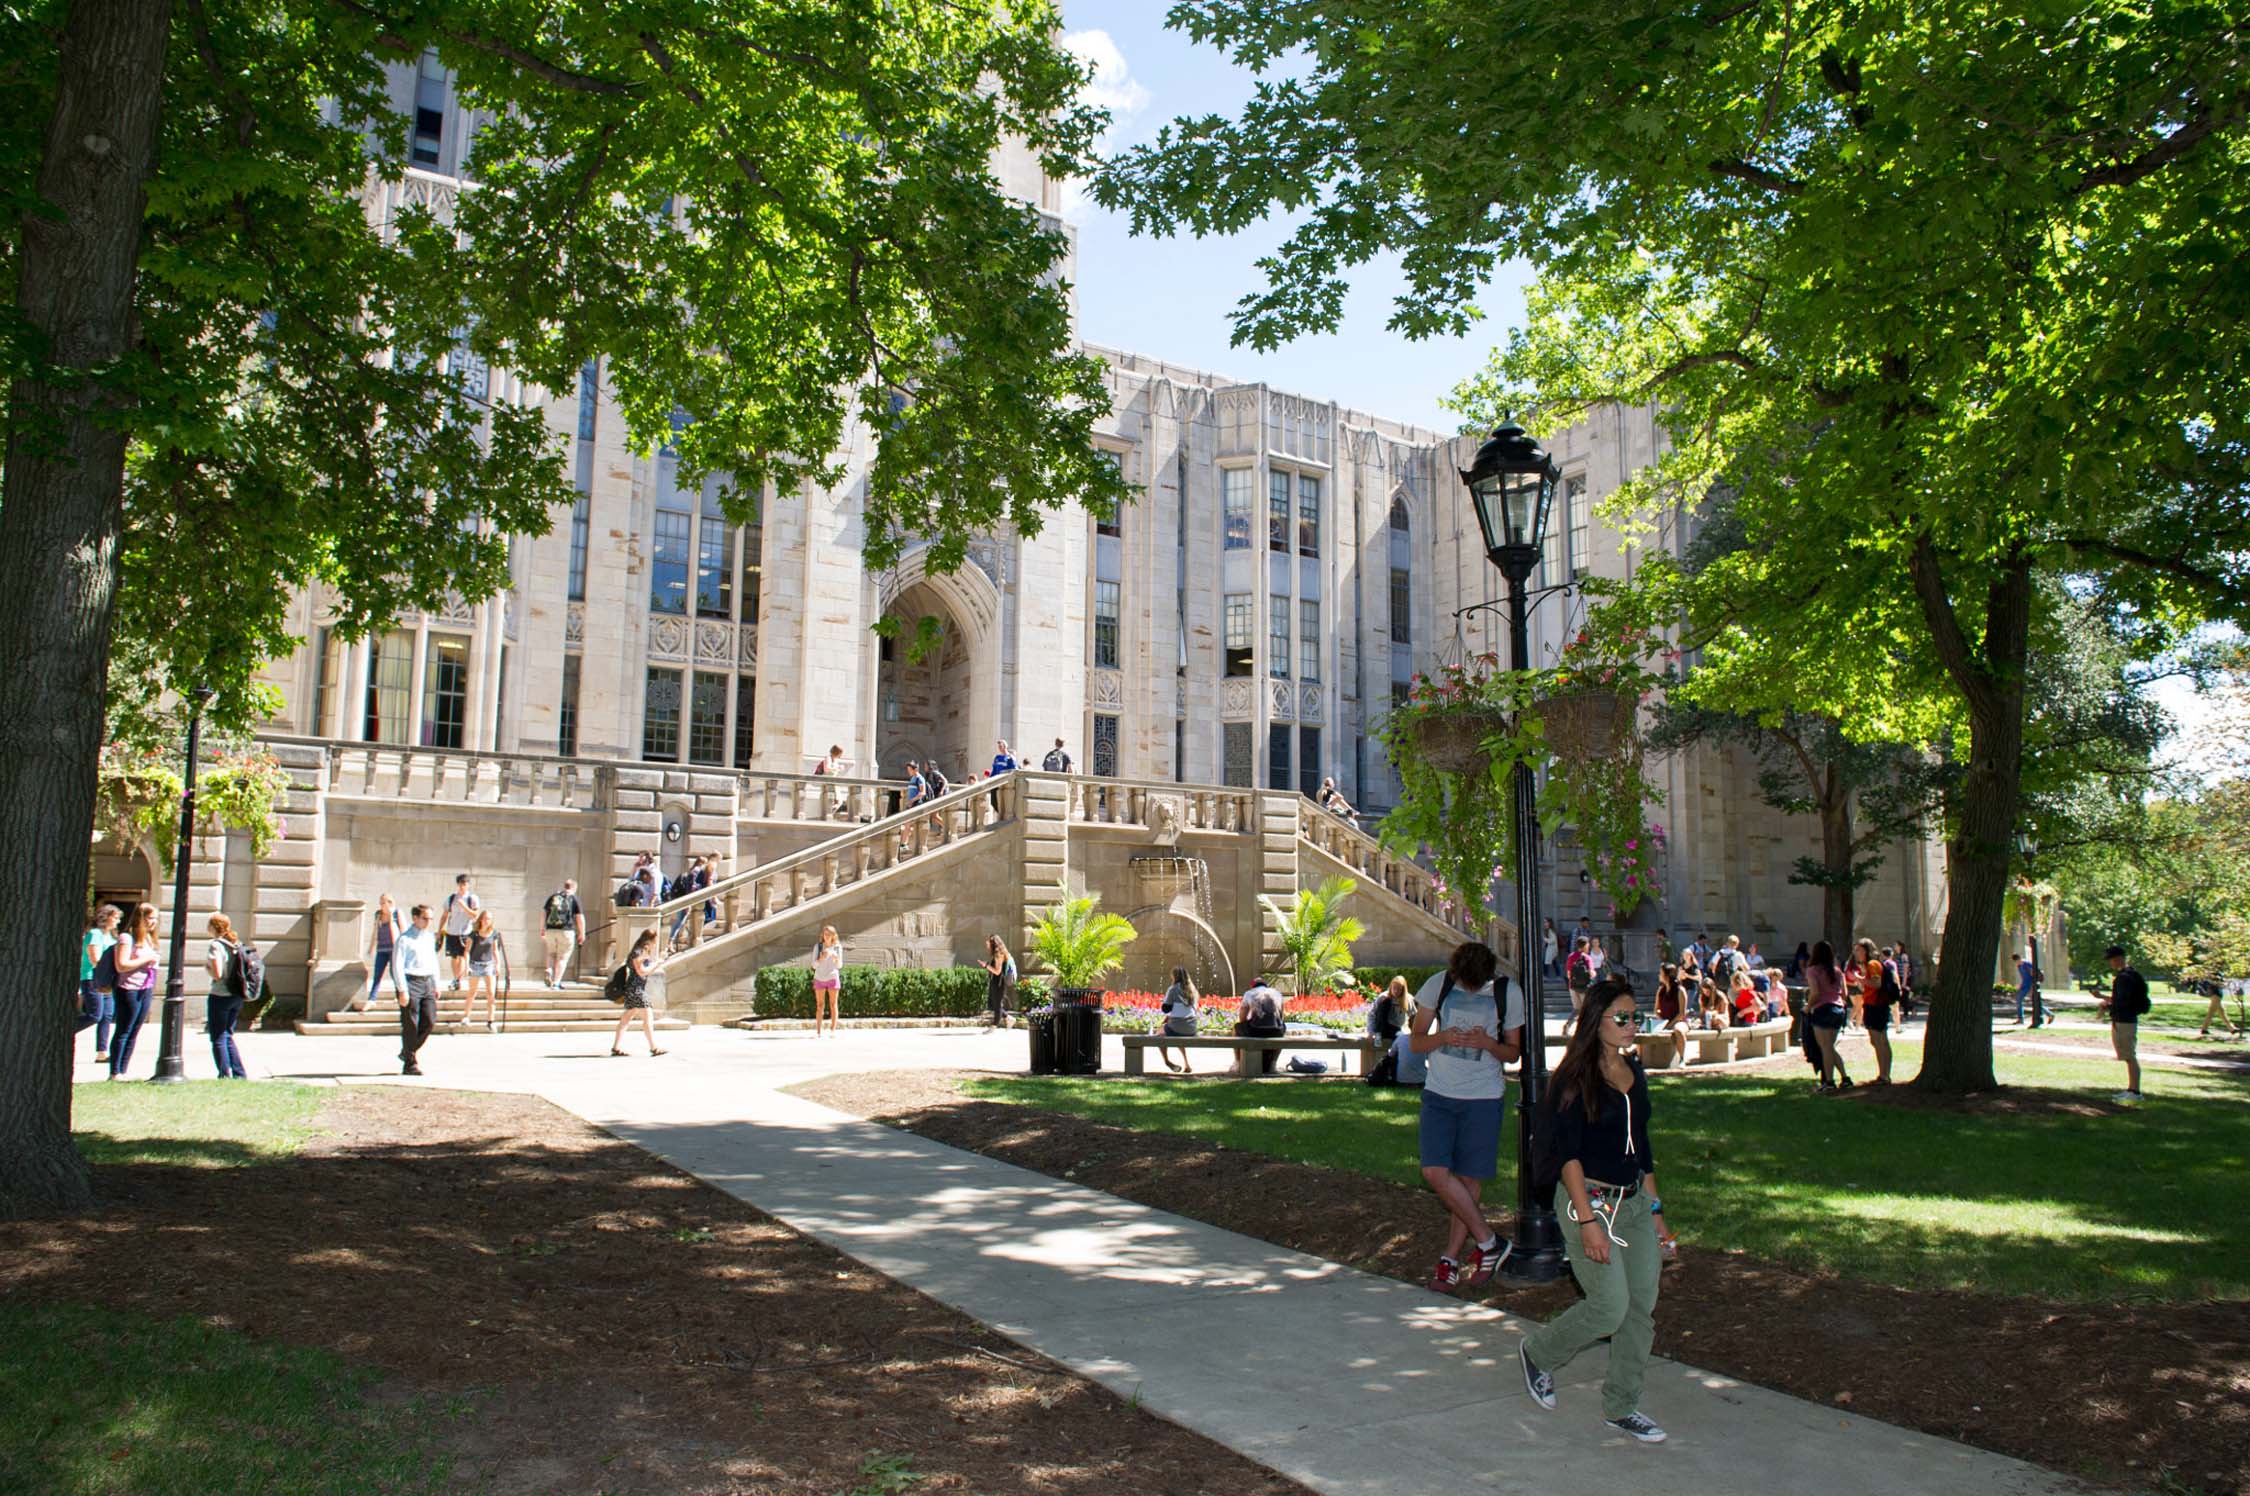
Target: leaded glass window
x: 707, y: 719
x: 660, y: 717
x: 1105, y: 745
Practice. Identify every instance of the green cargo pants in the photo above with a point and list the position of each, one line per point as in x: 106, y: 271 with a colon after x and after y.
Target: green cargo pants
x: 1620, y: 1304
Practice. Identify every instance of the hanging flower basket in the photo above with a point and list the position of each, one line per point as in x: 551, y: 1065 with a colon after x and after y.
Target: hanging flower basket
x: 1586, y: 725
x: 1453, y: 743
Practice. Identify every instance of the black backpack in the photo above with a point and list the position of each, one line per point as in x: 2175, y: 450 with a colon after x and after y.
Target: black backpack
x: 247, y: 971
x: 937, y: 781
x: 625, y: 895
x: 558, y: 910
x: 1056, y: 762
x: 105, y: 969
x: 1890, y: 983
x: 620, y: 983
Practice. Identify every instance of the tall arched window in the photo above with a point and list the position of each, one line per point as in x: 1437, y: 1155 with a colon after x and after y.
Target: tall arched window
x: 1402, y: 563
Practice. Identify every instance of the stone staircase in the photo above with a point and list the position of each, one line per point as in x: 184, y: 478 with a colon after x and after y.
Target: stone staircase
x: 579, y: 1008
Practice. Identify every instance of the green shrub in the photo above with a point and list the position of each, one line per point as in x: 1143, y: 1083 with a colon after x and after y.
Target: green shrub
x: 875, y: 992
x: 1373, y: 979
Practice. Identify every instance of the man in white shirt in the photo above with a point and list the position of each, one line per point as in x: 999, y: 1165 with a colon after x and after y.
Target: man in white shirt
x: 417, y: 1005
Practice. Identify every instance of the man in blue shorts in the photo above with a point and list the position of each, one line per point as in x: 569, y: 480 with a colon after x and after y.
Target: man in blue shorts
x: 1458, y: 1025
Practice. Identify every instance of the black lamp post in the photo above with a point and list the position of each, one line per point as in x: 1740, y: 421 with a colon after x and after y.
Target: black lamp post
x: 171, y: 1064
x: 1512, y: 483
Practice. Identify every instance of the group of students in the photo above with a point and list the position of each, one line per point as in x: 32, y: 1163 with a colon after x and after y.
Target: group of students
x: 117, y: 967
x: 468, y: 937
x: 1597, y: 1165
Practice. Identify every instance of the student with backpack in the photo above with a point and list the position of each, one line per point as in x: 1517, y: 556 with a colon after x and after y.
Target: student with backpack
x: 1057, y: 760
x: 133, y: 960
x: 2128, y: 1000
x: 1595, y: 1145
x: 236, y: 975
x: 461, y: 908
x: 562, y: 930
x: 628, y: 986
x: 97, y: 980
x: 1578, y: 970
x: 1459, y: 1025
x: 1000, y: 978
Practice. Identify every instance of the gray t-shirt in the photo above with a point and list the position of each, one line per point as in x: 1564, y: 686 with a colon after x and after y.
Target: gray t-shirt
x: 1456, y: 1070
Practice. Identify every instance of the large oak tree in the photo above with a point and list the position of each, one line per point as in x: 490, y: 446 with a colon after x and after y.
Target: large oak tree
x: 1984, y: 262
x: 227, y: 377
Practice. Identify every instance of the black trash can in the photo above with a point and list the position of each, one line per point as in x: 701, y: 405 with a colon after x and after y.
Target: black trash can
x: 1042, y: 1030
x: 1078, y: 1038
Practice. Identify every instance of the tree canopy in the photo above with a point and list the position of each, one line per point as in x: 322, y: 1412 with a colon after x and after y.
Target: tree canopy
x: 243, y: 357
x: 1911, y: 280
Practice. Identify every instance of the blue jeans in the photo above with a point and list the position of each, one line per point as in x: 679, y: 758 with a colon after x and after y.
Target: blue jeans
x: 219, y: 1023
x: 132, y: 1007
x: 97, y: 1010
x: 386, y: 959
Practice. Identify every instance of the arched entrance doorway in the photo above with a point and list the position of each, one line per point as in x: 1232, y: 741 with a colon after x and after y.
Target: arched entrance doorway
x: 123, y: 876
x: 942, y: 705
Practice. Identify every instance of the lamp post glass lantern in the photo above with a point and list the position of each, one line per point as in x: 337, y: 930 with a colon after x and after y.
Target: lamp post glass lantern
x: 171, y: 1062
x: 1512, y: 484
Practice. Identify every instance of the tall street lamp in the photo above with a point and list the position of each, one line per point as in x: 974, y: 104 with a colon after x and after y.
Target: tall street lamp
x: 1512, y: 483
x: 171, y: 1065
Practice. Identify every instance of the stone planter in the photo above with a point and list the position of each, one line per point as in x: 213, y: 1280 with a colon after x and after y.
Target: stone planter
x: 1583, y: 725
x: 1454, y: 743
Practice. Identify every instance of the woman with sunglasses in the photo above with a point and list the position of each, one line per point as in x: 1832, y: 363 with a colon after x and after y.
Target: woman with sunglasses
x: 1612, y: 1222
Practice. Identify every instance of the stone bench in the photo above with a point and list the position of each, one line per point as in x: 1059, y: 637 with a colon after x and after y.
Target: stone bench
x: 1716, y: 1046
x: 1138, y: 1045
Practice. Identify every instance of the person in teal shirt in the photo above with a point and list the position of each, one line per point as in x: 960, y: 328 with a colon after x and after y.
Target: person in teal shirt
x: 97, y: 1006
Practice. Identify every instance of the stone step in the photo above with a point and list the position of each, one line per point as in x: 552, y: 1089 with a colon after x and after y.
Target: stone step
x: 367, y: 1023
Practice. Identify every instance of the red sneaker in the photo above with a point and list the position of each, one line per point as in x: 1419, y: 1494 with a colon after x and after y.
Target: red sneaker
x: 1446, y: 1275
x: 1485, y: 1261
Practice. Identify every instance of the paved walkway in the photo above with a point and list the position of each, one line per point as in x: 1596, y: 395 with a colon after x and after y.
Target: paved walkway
x: 1353, y: 1384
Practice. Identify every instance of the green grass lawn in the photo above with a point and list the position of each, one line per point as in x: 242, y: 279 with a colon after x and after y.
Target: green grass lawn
x: 2149, y: 1202
x: 93, y: 1402
x: 213, y: 1123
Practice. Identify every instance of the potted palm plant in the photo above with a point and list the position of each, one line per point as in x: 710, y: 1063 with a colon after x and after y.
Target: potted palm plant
x: 1080, y: 945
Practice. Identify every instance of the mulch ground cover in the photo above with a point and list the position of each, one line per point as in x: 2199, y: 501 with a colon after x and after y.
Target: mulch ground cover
x: 594, y: 1320
x: 2140, y: 1394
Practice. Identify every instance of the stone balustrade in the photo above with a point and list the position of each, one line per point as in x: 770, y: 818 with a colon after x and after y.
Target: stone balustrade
x: 743, y: 900
x: 814, y: 797
x: 1158, y: 805
x: 1371, y: 860
x: 378, y: 771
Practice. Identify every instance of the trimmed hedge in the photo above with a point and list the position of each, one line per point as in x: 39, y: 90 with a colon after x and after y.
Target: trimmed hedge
x: 875, y: 992
x: 1373, y: 979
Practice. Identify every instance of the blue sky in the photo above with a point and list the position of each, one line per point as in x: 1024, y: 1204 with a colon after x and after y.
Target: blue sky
x: 1171, y: 297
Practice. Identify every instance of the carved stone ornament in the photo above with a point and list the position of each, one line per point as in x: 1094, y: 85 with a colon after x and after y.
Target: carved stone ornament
x: 574, y: 624
x: 1235, y: 701
x: 1284, y: 700
x: 714, y: 642
x: 1109, y: 688
x: 1165, y: 817
x: 667, y: 638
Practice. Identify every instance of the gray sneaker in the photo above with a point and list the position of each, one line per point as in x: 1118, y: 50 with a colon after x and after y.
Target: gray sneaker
x: 1536, y: 1382
x: 1638, y: 1425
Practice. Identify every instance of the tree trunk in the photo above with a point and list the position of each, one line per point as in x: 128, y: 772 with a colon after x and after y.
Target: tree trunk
x: 1836, y: 895
x: 1957, y: 1051
x: 59, y: 524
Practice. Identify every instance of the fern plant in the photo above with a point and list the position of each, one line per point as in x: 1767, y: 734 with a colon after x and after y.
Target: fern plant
x: 1316, y: 935
x: 1078, y: 943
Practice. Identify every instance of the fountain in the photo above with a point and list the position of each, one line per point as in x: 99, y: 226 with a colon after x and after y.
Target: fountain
x: 1175, y: 924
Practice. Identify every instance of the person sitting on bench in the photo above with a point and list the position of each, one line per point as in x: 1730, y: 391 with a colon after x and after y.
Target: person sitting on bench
x: 1260, y: 1018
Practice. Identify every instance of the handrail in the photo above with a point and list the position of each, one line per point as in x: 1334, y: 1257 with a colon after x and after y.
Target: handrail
x: 1415, y: 884
x: 905, y: 836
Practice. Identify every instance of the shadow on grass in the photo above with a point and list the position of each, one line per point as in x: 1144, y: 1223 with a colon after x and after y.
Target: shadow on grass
x: 95, y: 1401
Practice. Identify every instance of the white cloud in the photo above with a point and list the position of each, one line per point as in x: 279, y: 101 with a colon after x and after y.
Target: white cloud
x: 1113, y: 87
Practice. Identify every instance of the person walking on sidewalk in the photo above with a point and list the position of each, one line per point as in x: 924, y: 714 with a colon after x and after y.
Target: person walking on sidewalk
x: 1000, y: 978
x: 97, y: 1004
x: 417, y: 1005
x: 562, y: 931
x: 1459, y: 1024
x: 827, y: 980
x: 1606, y: 1203
x: 628, y: 985
x: 2216, y: 990
x: 485, y: 946
x: 461, y: 908
x: 382, y: 952
x: 2128, y: 1000
x: 229, y: 991
x: 135, y: 959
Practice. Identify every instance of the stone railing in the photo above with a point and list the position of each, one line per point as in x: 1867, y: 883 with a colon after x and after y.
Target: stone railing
x: 743, y: 900
x: 1159, y: 806
x: 814, y: 797
x: 1371, y: 860
x: 378, y: 771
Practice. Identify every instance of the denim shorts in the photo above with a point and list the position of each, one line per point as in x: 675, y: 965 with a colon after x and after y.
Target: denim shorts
x: 1461, y: 1136
x: 1877, y: 1017
x: 1827, y: 1018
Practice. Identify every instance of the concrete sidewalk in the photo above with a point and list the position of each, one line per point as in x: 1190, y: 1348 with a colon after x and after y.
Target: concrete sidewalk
x: 1350, y: 1383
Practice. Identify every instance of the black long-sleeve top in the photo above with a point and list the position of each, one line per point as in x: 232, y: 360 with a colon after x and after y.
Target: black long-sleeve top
x: 1613, y: 1148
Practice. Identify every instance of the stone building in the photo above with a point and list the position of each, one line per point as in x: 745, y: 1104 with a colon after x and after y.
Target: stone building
x: 1286, y: 568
